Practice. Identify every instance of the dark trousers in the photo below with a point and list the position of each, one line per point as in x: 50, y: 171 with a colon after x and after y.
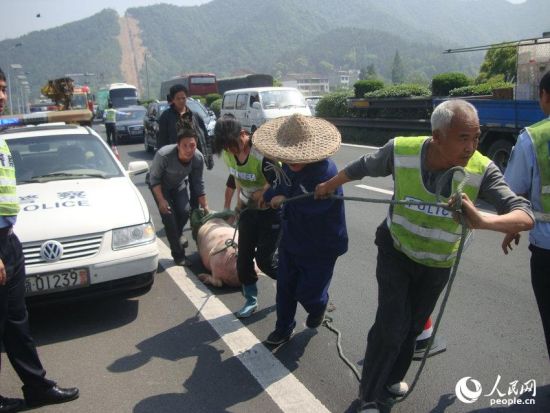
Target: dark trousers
x: 407, y: 295
x: 175, y: 221
x: 258, y: 236
x: 14, y: 321
x: 110, y: 130
x: 303, y: 280
x: 540, y: 279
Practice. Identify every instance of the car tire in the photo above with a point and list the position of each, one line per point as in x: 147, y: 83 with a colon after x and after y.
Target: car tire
x: 499, y: 152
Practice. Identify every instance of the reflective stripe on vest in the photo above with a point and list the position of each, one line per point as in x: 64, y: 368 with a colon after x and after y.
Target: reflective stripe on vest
x: 427, y: 234
x: 540, y: 136
x: 9, y: 203
x: 249, y: 175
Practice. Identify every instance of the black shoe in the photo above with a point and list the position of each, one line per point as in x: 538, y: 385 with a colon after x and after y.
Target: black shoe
x: 183, y: 261
x: 10, y: 405
x: 314, y: 321
x: 53, y: 395
x: 276, y: 338
x: 184, y: 242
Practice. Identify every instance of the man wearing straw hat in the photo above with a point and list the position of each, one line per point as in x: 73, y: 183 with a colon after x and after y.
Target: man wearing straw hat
x: 417, y: 246
x: 314, y: 233
x: 259, y: 226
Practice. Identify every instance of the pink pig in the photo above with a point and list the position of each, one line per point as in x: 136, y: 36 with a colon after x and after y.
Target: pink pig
x: 220, y: 260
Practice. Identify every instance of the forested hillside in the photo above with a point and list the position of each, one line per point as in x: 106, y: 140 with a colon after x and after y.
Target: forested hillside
x: 279, y: 36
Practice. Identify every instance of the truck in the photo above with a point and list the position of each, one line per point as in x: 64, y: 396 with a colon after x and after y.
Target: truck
x: 67, y: 96
x: 501, y: 117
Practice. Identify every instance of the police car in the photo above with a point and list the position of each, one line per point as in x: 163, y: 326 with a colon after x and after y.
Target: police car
x: 84, y: 226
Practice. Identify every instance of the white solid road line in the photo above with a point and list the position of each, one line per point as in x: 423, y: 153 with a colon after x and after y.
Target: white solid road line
x: 375, y: 189
x: 281, y: 385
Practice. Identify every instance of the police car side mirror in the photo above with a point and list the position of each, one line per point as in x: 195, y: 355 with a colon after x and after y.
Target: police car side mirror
x: 137, y: 168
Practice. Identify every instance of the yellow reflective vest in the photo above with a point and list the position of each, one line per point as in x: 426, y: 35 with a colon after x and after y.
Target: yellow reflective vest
x: 426, y: 234
x: 249, y: 175
x: 540, y: 136
x: 9, y: 203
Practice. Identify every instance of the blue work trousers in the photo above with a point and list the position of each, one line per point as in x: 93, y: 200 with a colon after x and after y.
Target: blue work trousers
x: 304, y: 280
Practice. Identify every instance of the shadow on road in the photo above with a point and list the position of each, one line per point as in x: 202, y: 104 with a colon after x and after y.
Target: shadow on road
x: 62, y: 322
x: 219, y: 380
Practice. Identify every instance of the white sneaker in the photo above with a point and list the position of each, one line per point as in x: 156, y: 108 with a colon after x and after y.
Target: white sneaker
x: 398, y: 389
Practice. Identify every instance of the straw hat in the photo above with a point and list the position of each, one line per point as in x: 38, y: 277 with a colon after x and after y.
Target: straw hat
x: 297, y: 139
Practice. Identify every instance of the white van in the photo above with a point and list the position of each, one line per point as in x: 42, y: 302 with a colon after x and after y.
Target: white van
x: 254, y: 106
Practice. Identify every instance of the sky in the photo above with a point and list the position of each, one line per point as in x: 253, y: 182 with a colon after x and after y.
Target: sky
x: 20, y: 16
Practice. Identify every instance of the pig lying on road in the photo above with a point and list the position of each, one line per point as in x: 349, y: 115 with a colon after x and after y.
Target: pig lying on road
x: 220, y: 260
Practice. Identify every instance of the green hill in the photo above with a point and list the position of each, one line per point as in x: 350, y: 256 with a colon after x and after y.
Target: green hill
x: 278, y: 36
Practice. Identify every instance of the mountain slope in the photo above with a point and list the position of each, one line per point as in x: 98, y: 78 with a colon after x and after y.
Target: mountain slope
x: 275, y: 36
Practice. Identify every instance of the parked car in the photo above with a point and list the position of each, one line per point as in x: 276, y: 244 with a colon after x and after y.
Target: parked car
x: 84, y: 226
x: 252, y: 107
x: 151, y: 124
x: 155, y: 109
x: 129, y: 124
x: 312, y: 102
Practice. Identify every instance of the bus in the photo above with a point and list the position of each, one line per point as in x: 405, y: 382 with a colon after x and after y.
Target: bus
x: 197, y: 84
x: 102, y: 100
x: 122, y: 95
x: 244, y: 82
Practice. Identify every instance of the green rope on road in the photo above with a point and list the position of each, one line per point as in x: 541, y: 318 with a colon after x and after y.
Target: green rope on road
x: 327, y: 322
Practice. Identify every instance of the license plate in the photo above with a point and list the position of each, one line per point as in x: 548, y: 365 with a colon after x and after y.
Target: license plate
x: 136, y: 132
x: 55, y: 281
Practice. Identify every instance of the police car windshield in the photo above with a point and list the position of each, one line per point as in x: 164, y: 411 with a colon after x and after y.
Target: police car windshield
x: 56, y: 157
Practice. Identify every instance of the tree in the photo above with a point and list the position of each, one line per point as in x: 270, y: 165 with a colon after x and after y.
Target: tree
x: 371, y: 71
x: 368, y: 73
x: 499, y: 61
x: 397, y: 70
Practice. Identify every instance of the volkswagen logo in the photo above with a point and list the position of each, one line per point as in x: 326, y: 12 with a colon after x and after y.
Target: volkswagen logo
x: 51, y: 251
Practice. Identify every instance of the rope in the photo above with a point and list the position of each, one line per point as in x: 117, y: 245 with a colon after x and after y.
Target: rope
x: 327, y: 322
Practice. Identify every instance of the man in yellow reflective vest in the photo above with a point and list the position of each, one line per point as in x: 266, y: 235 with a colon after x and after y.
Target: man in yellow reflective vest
x: 528, y: 173
x: 15, y: 336
x: 417, y: 245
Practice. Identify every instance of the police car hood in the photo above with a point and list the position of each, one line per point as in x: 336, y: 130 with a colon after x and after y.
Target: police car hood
x: 76, y: 207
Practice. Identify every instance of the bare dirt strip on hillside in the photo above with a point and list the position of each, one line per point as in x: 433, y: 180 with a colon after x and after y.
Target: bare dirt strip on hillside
x: 133, y: 52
